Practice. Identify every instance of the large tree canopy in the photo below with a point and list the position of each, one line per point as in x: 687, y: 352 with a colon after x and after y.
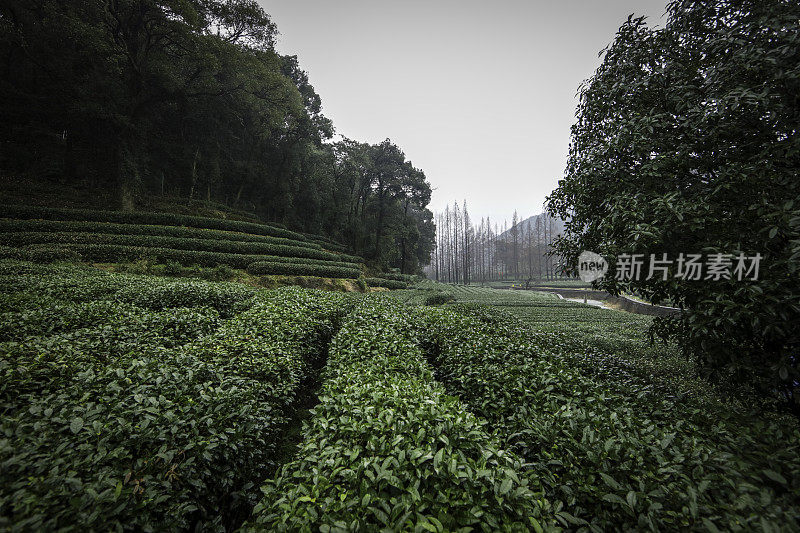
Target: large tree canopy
x: 686, y: 141
x: 189, y: 99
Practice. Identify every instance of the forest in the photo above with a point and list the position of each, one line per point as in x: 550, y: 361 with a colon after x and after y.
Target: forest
x: 189, y: 100
x: 467, y: 252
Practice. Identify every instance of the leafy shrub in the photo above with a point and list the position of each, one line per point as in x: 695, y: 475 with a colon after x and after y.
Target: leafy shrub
x: 118, y: 253
x: 156, y: 294
x: 111, y: 228
x: 617, y: 456
x: 173, y: 268
x: 328, y: 245
x: 221, y: 273
x: 49, y: 359
x: 164, y: 219
x: 387, y: 449
x: 349, y: 258
x: 388, y: 283
x: 439, y: 299
x: 396, y: 276
x: 143, y: 265
x: 175, y: 243
x: 7, y: 252
x: 56, y: 318
x: 320, y: 270
x: 51, y: 252
x: 128, y: 426
x: 73, y: 283
x: 325, y: 242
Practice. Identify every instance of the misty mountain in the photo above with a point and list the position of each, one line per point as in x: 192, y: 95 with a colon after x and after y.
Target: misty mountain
x: 557, y: 228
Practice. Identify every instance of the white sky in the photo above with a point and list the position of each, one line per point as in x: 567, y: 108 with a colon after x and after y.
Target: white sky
x: 479, y: 95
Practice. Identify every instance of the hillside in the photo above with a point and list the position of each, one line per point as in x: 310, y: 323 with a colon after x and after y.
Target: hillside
x: 114, y: 236
x: 530, y: 224
x: 195, y: 108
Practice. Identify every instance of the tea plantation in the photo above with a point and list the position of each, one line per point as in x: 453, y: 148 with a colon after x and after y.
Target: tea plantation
x: 134, y: 402
x: 46, y: 234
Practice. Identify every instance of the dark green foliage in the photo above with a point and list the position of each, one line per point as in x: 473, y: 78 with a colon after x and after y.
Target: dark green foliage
x: 137, y: 100
x: 142, y: 403
x: 326, y: 243
x: 388, y: 283
x: 149, y: 420
x: 617, y: 455
x: 147, y: 228
x: 57, y: 317
x: 388, y: 449
x: 176, y: 243
x: 49, y: 240
x: 159, y: 219
x: 112, y: 253
x: 408, y: 278
x: 345, y: 258
x: 173, y: 268
x: 686, y: 143
x: 438, y: 299
x: 147, y: 293
x: 7, y: 252
x: 48, y: 253
x: 221, y: 273
x: 296, y: 269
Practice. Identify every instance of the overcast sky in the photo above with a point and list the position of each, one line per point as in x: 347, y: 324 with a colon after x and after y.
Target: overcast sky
x: 479, y: 95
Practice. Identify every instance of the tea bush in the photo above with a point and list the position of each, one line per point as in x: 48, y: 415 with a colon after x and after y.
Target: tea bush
x: 141, y: 217
x: 387, y: 449
x: 117, y: 252
x: 408, y: 278
x: 57, y: 318
x: 141, y: 403
x: 156, y: 294
x: 438, y: 299
x: 320, y: 270
x: 617, y: 455
x: 388, y: 283
x: 112, y: 228
x: 47, y: 234
x: 66, y: 240
x: 138, y: 412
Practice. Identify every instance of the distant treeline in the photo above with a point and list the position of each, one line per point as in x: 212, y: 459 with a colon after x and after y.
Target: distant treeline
x: 190, y: 100
x: 466, y: 252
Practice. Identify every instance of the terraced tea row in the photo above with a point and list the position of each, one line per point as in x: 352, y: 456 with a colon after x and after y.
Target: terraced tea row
x: 600, y: 340
x: 137, y: 402
x: 174, y: 243
x: 139, y: 217
x: 104, y: 236
x: 328, y: 269
x: 386, y: 283
x: 387, y: 449
x: 146, y: 408
x: 618, y: 456
x: 113, y: 228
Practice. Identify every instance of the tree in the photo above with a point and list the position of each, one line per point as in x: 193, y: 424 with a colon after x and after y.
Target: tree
x: 189, y: 100
x: 686, y: 142
x: 515, y: 235
x: 466, y: 247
